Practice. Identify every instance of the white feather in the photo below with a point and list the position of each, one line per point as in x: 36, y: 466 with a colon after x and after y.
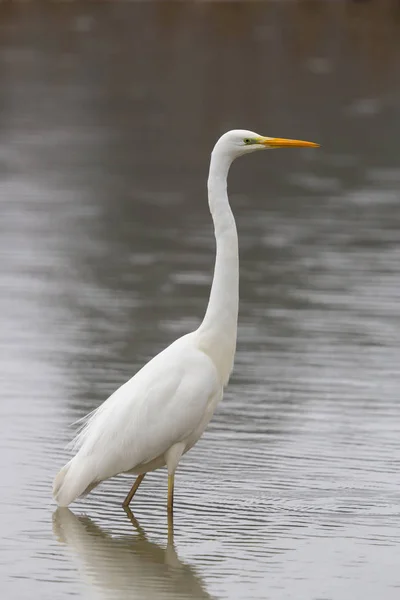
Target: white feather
x: 128, y: 431
x: 163, y: 410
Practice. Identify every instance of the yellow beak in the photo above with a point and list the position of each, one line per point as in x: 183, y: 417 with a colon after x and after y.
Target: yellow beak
x: 283, y: 143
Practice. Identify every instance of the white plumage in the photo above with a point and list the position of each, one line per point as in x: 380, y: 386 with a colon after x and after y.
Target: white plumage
x: 128, y: 432
x: 159, y: 414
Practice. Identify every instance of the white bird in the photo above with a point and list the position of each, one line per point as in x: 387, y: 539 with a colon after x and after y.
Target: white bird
x: 159, y: 414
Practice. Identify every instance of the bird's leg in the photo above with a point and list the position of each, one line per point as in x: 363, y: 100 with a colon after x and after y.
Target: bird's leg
x: 134, y: 488
x: 170, y: 505
x: 132, y: 518
x: 172, y: 458
x: 135, y: 523
x: 170, y: 529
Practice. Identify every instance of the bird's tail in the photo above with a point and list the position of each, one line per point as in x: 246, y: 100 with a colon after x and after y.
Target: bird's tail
x: 75, y: 479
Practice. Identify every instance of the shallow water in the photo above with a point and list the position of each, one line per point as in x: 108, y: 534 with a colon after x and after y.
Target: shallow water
x: 108, y: 114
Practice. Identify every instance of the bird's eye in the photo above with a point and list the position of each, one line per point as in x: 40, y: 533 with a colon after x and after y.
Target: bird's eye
x: 247, y: 140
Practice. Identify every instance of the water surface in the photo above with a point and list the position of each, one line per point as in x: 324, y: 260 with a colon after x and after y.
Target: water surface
x: 108, y: 114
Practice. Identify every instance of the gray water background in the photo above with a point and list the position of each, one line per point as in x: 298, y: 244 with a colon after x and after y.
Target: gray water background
x: 108, y: 113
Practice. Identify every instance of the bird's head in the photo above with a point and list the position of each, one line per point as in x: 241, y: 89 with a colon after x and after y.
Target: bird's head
x: 241, y: 141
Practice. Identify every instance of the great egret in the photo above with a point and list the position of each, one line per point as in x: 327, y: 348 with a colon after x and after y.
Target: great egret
x: 159, y: 414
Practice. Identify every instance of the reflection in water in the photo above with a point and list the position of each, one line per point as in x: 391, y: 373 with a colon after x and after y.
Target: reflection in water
x: 127, y: 566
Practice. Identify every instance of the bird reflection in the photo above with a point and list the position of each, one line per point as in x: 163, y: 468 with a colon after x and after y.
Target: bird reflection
x: 127, y: 566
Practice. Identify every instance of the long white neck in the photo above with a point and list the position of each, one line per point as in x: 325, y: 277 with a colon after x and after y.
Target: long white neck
x: 217, y: 333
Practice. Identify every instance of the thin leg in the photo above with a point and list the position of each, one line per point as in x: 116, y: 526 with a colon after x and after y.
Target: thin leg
x: 171, y: 529
x: 135, y: 523
x: 134, y: 488
x: 170, y: 506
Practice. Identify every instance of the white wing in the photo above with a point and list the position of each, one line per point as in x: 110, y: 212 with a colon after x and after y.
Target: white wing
x: 161, y: 405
